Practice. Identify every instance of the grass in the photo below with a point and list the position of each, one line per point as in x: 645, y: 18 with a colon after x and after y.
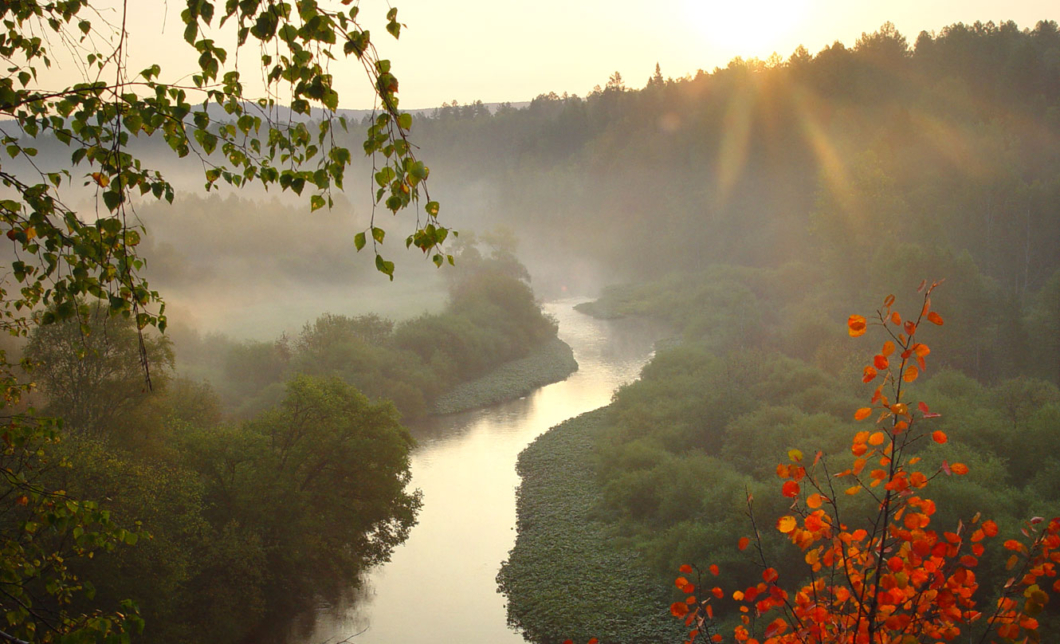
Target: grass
x: 549, y: 362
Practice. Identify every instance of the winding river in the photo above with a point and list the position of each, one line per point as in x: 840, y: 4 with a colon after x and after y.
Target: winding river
x: 440, y: 585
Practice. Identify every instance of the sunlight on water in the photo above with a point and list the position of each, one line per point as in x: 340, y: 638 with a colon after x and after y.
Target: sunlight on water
x: 440, y: 585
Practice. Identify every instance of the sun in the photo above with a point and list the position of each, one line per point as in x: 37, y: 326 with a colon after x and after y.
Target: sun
x: 748, y: 29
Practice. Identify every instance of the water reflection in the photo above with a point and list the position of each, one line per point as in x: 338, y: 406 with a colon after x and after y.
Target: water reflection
x: 440, y: 584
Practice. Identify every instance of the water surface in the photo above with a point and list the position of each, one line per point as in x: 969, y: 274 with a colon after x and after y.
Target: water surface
x: 440, y: 585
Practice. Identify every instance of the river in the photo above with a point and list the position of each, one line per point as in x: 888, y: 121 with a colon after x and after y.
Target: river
x: 440, y: 585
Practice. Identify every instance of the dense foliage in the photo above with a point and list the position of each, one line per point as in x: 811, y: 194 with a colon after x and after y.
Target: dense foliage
x: 253, y: 506
x: 883, y: 573
x: 947, y: 142
x: 233, y: 520
x: 491, y: 319
x: 753, y: 376
x: 69, y: 271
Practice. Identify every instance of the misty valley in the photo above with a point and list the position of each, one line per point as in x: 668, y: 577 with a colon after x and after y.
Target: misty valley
x: 786, y: 332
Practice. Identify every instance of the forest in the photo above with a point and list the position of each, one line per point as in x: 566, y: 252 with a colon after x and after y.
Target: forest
x: 182, y: 475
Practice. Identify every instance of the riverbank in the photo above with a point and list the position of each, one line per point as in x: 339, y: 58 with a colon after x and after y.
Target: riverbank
x: 567, y: 578
x: 549, y: 362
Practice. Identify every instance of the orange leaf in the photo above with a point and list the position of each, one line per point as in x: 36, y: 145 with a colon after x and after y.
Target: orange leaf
x: 877, y: 438
x: 685, y: 569
x: 935, y: 318
x: 990, y: 528
x: 680, y: 582
x: 959, y: 468
x: 895, y: 318
x: 851, y: 491
x: 888, y: 349
x: 910, y: 328
x: 714, y: 570
x: 718, y: 592
x: 862, y: 413
x: 939, y: 437
x: 880, y: 362
x: 859, y: 464
x: 790, y: 489
x: 856, y: 325
x: 911, y: 373
x: 769, y: 575
x: 679, y: 609
x: 743, y: 543
x: 922, y: 350
x: 786, y: 524
x: 814, y: 501
x: 869, y: 374
x: 888, y: 301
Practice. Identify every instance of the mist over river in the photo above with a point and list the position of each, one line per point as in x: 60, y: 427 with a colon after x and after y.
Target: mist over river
x: 440, y: 585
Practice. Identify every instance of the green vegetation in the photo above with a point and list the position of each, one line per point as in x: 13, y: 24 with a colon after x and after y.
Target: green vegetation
x: 231, y: 521
x: 549, y: 362
x: 281, y: 493
x: 758, y: 375
x: 566, y: 578
x: 490, y: 343
x: 758, y: 204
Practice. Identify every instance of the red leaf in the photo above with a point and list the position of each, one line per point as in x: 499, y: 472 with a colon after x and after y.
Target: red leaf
x: 743, y: 543
x: 935, y: 318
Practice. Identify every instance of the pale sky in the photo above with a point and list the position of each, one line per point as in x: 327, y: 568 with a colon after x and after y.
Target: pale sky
x: 512, y: 51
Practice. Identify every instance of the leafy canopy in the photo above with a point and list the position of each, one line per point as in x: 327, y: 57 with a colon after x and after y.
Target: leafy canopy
x: 64, y: 261
x: 63, y: 256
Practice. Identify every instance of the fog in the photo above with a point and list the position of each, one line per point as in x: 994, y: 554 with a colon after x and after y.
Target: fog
x: 753, y: 211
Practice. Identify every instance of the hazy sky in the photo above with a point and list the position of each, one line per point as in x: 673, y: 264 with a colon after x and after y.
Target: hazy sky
x: 501, y: 50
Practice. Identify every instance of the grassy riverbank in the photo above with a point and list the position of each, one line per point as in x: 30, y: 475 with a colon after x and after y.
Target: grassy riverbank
x: 566, y: 578
x: 549, y: 362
